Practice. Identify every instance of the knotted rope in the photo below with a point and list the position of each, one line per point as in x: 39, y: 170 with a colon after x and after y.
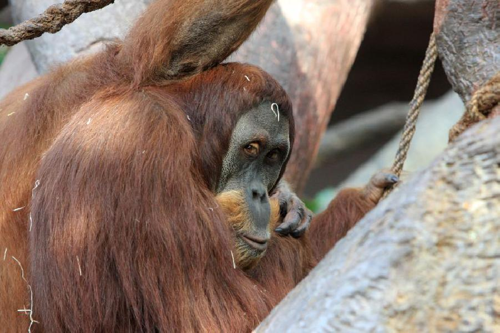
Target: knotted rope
x: 484, y: 100
x: 424, y: 80
x: 52, y: 20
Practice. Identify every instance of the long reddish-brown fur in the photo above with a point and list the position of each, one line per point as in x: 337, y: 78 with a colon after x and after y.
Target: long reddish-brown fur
x: 342, y: 214
x: 114, y: 159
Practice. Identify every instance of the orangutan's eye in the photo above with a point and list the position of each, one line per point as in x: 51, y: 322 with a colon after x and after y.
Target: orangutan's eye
x: 273, y: 155
x: 252, y: 149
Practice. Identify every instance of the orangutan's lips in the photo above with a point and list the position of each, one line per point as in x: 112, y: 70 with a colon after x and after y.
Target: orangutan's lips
x: 257, y: 243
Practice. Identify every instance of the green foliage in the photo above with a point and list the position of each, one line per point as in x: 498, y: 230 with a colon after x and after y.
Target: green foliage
x: 321, y: 200
x: 3, y: 52
x: 312, y: 204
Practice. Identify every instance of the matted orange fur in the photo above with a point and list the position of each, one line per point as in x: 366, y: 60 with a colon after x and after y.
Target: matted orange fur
x: 121, y: 232
x: 234, y: 206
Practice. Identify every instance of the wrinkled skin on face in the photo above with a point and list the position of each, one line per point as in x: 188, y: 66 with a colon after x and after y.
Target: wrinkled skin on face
x: 247, y: 252
x: 259, y: 147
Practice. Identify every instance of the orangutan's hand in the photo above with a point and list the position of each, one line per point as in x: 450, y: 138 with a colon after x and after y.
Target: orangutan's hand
x: 296, y: 216
x: 374, y: 190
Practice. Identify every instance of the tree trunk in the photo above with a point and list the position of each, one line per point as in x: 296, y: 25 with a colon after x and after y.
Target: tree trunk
x: 468, y: 40
x: 427, y: 259
x: 307, y: 45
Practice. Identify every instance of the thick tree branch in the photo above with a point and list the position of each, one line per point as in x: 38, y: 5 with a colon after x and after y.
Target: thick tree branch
x: 357, y: 131
x: 468, y: 40
x: 428, y: 257
x: 52, y: 20
x: 324, y: 38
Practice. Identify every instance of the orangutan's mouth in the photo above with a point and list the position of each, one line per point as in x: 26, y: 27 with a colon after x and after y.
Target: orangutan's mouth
x: 257, y: 243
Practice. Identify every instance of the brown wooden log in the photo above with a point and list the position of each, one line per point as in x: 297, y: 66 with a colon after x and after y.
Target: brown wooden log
x: 309, y: 47
x: 427, y: 259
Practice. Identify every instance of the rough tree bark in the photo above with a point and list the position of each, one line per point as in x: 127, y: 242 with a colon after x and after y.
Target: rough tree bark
x: 307, y: 45
x: 468, y: 40
x: 427, y: 259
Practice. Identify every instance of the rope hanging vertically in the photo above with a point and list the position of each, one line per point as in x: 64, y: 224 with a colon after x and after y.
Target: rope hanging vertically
x: 424, y: 80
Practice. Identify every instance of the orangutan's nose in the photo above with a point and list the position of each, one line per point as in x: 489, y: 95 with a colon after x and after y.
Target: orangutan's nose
x: 258, y: 207
x: 259, y: 192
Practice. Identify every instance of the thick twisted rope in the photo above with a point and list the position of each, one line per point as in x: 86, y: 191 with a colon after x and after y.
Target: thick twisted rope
x: 484, y: 100
x: 424, y: 80
x: 52, y: 20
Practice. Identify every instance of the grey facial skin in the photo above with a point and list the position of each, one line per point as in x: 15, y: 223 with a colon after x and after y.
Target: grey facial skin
x: 256, y: 175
